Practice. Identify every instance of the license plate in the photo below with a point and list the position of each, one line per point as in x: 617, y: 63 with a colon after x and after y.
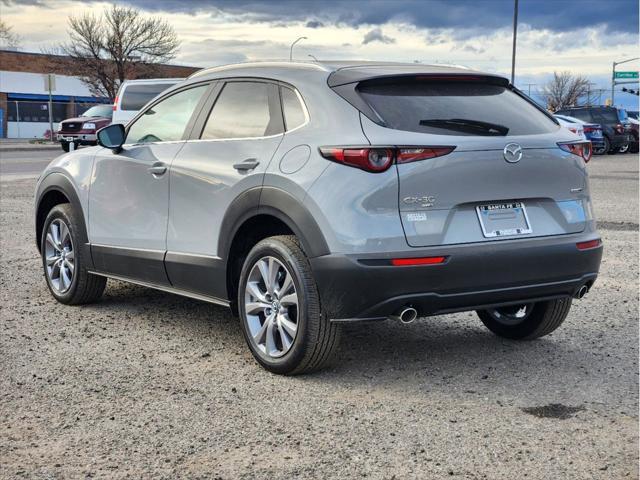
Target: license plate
x: 69, y: 139
x: 503, y: 219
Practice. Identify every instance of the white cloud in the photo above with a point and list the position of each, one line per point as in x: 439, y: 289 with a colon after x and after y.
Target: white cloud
x: 218, y: 38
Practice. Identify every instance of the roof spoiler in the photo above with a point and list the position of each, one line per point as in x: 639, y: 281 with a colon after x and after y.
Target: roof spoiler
x: 346, y: 76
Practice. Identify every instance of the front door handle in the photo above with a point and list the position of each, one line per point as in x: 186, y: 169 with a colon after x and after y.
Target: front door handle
x: 157, y: 169
x: 248, y: 164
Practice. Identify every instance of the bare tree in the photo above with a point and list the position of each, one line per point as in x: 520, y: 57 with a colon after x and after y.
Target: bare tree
x: 119, y: 44
x: 565, y: 90
x: 7, y: 36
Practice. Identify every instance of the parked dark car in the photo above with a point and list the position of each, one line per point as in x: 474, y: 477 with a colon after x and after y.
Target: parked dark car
x: 633, y: 114
x: 615, y: 135
x: 82, y: 130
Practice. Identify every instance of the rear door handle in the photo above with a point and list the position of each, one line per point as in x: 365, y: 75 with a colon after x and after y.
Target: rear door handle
x: 248, y: 164
x: 157, y: 169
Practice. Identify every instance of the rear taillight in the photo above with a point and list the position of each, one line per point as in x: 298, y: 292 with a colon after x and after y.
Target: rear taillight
x: 590, y: 129
x: 413, y: 154
x: 115, y: 104
x: 588, y: 245
x: 619, y: 128
x: 582, y: 149
x: 379, y: 159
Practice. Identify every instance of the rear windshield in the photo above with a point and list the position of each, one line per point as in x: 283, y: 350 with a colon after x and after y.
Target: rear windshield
x: 455, y: 108
x: 136, y: 96
x: 606, y: 115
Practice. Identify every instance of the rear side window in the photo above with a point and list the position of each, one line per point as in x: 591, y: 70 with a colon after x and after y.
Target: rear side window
x: 455, y: 108
x: 243, y: 110
x: 294, y: 114
x: 166, y: 120
x: 135, y: 96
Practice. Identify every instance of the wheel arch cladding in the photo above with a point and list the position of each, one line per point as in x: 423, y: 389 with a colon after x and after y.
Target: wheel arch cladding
x: 54, y: 190
x: 259, y: 213
x: 276, y: 203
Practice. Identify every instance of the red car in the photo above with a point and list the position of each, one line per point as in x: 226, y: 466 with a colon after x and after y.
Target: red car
x: 82, y: 130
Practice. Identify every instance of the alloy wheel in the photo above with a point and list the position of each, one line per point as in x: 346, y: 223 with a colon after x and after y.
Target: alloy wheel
x: 271, y: 307
x: 59, y: 256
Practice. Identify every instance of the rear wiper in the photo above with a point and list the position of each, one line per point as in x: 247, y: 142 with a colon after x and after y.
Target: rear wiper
x: 468, y: 126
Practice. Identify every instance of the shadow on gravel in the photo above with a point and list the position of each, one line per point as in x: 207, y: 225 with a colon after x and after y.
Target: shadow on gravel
x: 435, y: 353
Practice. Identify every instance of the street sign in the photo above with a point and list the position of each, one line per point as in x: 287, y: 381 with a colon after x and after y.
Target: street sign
x: 626, y: 75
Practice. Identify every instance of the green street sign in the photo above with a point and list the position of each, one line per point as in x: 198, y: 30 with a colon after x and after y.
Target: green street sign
x: 628, y: 75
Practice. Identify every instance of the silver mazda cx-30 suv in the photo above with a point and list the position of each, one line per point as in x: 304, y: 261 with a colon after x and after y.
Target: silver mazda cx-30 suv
x: 303, y: 195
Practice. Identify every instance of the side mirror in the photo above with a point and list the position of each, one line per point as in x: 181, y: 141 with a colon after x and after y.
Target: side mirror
x: 112, y: 137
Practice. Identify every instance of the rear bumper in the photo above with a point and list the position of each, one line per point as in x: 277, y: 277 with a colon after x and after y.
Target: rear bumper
x: 620, y: 140
x: 474, y: 276
x: 596, y: 142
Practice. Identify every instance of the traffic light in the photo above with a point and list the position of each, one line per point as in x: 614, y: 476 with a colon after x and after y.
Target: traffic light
x: 630, y: 90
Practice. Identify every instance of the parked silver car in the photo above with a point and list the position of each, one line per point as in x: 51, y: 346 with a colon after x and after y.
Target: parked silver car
x: 303, y: 195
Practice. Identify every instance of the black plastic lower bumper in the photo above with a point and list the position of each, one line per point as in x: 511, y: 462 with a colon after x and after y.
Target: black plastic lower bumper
x: 474, y: 276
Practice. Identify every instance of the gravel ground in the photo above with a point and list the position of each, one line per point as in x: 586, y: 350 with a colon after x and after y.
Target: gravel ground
x: 149, y: 385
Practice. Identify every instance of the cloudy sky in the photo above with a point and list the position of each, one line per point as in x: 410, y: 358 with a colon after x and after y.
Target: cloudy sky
x: 582, y: 36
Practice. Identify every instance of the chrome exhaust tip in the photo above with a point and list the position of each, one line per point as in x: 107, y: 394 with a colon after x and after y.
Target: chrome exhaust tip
x: 406, y: 315
x: 582, y: 291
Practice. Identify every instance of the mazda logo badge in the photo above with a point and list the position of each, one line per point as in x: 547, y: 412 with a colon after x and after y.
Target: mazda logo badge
x: 512, y: 152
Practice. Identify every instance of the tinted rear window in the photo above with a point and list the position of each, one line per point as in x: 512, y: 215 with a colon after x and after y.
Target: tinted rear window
x: 455, y: 108
x: 606, y: 115
x: 136, y: 96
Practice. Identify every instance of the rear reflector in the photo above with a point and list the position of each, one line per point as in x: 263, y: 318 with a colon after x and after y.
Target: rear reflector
x: 589, y: 244
x: 403, y: 262
x: 378, y: 159
x: 581, y: 149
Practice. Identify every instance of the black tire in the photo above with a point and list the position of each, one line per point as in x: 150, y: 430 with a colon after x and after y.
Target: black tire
x: 317, y: 338
x: 624, y: 148
x: 85, y: 287
x: 542, y: 319
x: 633, y: 147
x: 65, y: 146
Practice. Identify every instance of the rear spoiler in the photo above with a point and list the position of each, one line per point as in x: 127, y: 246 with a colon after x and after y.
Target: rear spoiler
x: 346, y: 76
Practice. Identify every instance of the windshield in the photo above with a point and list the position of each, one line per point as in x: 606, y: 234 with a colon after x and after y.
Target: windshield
x: 455, y: 108
x: 99, y: 111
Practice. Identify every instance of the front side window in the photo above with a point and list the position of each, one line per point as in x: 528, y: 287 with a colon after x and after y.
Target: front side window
x: 166, y: 120
x: 293, y: 110
x: 243, y: 110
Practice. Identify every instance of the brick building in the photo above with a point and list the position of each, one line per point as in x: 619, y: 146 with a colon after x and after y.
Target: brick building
x: 24, y: 99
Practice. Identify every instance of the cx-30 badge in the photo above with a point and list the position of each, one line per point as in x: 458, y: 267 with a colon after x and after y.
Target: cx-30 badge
x: 512, y: 152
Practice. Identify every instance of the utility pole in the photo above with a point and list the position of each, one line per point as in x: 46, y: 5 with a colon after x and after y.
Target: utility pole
x: 515, y: 32
x: 529, y: 87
